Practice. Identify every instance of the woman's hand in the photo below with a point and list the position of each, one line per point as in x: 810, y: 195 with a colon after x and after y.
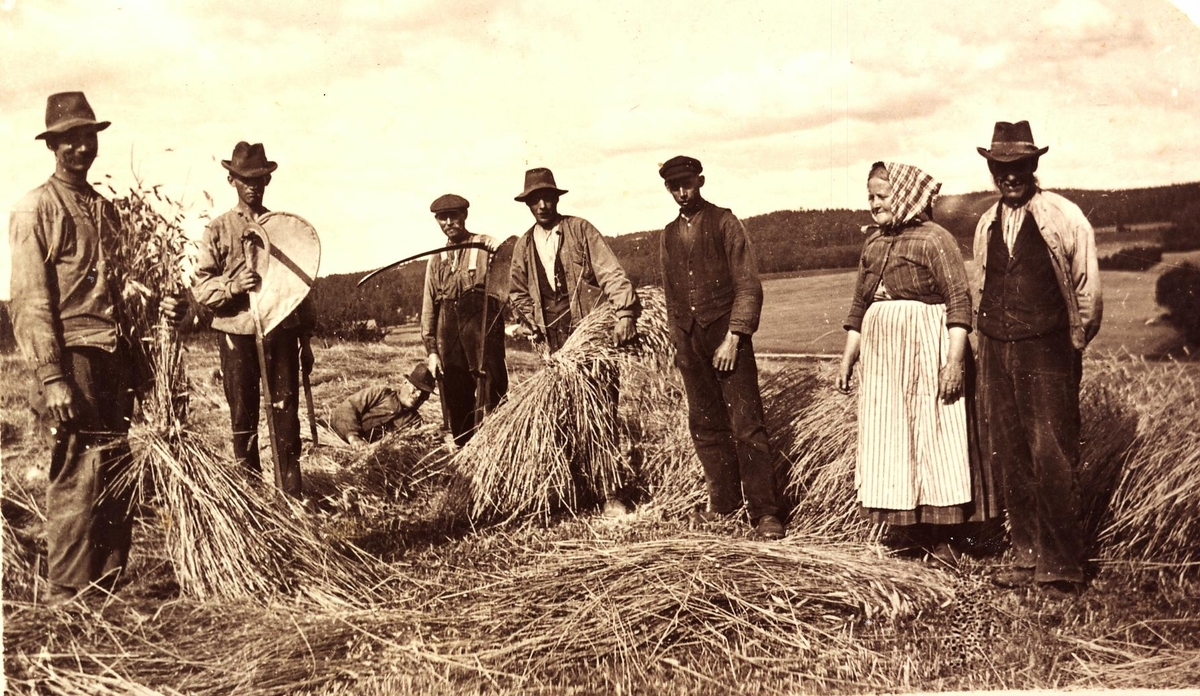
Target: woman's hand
x: 950, y: 381
x: 849, y: 359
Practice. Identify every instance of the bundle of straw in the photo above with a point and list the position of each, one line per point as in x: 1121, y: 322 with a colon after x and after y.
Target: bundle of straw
x: 554, y: 444
x: 693, y: 598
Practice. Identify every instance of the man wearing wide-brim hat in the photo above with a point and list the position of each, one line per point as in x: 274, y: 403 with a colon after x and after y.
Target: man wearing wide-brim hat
x: 461, y: 324
x: 66, y: 322
x: 561, y: 267
x: 1039, y: 306
x: 223, y: 281
x: 368, y: 414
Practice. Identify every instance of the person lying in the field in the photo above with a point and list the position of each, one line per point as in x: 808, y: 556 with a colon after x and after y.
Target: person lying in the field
x: 370, y: 413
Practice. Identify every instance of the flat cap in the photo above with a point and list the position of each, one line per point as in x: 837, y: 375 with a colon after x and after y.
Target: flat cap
x: 448, y: 202
x: 680, y: 165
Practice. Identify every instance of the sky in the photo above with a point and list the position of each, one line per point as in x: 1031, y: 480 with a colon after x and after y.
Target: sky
x: 374, y: 109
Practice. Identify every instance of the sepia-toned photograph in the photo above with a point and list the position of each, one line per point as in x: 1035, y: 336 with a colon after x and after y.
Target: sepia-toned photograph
x: 532, y: 347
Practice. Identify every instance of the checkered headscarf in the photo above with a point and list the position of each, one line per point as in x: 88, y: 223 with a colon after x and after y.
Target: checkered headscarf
x: 912, y: 191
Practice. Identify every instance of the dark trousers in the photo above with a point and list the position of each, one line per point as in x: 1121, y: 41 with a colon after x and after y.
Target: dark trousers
x: 459, y: 332
x: 1029, y: 418
x: 725, y: 416
x: 239, y: 367
x: 88, y: 516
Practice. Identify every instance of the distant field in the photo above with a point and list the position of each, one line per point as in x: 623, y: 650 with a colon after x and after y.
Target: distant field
x: 805, y: 314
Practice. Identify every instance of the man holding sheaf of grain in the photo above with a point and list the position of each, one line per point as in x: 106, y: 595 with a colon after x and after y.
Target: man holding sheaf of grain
x: 68, y: 324
x: 714, y: 298
x: 223, y: 282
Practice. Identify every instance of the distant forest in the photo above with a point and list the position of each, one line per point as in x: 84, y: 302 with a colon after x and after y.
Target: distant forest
x: 785, y: 241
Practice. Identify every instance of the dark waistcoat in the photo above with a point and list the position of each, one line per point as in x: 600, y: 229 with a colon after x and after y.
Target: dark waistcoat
x: 697, y: 281
x: 1021, y: 298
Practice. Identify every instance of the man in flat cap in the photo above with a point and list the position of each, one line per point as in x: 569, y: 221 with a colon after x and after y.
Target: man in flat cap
x: 461, y: 325
x: 223, y: 281
x: 560, y: 267
x: 714, y: 299
x: 1039, y: 306
x: 369, y: 413
x: 67, y: 323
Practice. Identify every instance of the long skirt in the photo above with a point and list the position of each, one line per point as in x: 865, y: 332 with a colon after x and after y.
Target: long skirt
x: 914, y: 462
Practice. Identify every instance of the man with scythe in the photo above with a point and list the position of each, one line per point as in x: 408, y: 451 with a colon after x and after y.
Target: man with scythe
x: 225, y: 276
x: 461, y: 324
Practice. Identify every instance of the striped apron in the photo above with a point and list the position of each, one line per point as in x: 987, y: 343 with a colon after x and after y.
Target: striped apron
x: 912, y: 448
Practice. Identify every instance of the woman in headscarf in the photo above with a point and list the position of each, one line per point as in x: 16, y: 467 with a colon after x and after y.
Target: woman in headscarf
x: 908, y: 327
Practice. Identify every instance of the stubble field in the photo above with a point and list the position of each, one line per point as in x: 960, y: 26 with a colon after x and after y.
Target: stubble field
x: 575, y: 603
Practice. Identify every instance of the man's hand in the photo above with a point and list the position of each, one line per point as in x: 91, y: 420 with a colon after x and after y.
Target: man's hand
x: 243, y: 281
x: 950, y: 381
x: 356, y: 441
x: 60, y: 402
x: 175, y: 309
x: 725, y: 357
x: 624, y: 331
x: 434, y: 363
x: 490, y: 242
x: 523, y: 331
x: 306, y: 357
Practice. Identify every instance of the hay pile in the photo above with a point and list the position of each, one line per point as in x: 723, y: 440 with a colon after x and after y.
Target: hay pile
x: 554, y: 444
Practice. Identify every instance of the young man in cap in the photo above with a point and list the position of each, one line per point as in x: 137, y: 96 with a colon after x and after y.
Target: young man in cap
x: 67, y: 324
x: 461, y: 324
x: 222, y: 283
x: 1039, y: 306
x: 559, y: 267
x: 369, y: 413
x: 714, y: 298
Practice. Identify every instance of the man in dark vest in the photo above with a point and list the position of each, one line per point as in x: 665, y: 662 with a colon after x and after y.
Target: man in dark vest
x: 67, y: 322
x: 1039, y: 307
x: 714, y: 299
x: 464, y: 355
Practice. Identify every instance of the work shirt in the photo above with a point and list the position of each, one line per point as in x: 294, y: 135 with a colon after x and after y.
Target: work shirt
x: 919, y: 262
x: 220, y: 255
x: 62, y: 291
x: 589, y: 265
x: 458, y: 277
x: 369, y: 410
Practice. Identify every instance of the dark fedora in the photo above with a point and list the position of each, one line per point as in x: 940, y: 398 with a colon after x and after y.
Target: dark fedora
x: 1012, y: 142
x: 422, y: 379
x: 249, y: 161
x: 67, y: 110
x: 537, y: 180
x: 680, y: 166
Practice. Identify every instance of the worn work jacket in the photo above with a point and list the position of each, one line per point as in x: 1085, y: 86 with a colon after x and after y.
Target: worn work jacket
x: 1072, y: 245
x: 219, y: 256
x: 62, y: 291
x: 591, y: 268
x: 370, y: 411
x: 714, y: 276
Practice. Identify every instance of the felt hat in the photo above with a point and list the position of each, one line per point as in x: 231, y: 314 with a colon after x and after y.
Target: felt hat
x: 537, y: 180
x: 249, y: 161
x: 422, y: 378
x: 67, y: 110
x: 680, y: 166
x: 448, y: 202
x: 1012, y: 142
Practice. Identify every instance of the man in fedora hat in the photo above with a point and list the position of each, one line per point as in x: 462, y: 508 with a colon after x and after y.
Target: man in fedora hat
x: 560, y: 267
x: 714, y: 298
x: 1039, y: 306
x: 464, y: 355
x: 366, y: 415
x: 223, y: 280
x: 67, y: 323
